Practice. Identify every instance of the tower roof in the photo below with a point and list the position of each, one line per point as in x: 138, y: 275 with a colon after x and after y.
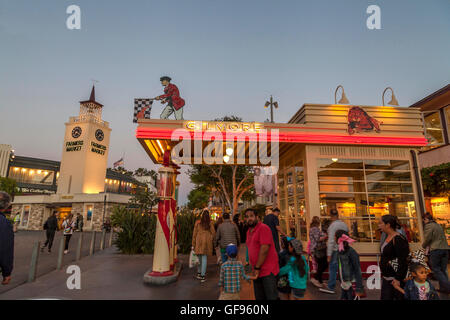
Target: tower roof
x: 92, y: 98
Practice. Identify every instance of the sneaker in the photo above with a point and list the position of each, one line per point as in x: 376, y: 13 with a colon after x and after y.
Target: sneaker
x: 202, y: 279
x: 316, y: 283
x: 327, y: 290
x: 199, y: 276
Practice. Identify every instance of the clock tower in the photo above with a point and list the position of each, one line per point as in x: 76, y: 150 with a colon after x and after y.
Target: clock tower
x: 85, y: 150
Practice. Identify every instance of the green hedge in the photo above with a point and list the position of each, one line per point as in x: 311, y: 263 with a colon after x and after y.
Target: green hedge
x: 137, y: 231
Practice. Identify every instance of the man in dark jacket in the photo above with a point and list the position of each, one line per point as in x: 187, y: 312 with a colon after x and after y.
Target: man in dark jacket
x: 6, y: 239
x: 227, y: 233
x: 50, y: 226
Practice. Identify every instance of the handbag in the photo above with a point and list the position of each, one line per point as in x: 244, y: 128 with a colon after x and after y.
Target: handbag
x: 193, y: 259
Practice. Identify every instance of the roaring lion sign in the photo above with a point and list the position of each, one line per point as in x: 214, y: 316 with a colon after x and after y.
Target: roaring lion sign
x: 359, y: 120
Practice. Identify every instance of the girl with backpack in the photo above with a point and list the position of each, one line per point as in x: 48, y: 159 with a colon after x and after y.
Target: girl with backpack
x: 297, y: 270
x: 349, y: 267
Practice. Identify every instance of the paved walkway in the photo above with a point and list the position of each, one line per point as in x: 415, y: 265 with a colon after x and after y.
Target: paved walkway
x: 111, y: 275
x: 23, y: 247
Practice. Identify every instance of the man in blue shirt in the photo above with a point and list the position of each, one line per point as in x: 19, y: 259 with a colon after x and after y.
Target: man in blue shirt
x: 271, y: 220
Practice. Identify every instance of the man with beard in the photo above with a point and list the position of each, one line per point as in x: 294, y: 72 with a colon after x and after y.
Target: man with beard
x: 263, y: 257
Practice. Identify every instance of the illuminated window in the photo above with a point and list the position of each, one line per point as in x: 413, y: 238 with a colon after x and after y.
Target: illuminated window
x: 433, y: 128
x: 364, y: 190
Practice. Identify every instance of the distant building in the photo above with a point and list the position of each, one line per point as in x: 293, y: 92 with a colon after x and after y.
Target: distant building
x: 5, y: 154
x: 436, y: 114
x: 80, y: 183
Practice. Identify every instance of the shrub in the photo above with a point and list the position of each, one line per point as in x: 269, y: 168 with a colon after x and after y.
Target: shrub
x: 185, y: 227
x: 137, y: 231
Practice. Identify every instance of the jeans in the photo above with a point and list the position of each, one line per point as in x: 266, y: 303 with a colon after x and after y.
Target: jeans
x: 388, y: 292
x: 66, y: 242
x: 332, y: 270
x: 439, y: 260
x: 50, y: 236
x: 224, y: 256
x: 201, y: 268
x: 265, y: 288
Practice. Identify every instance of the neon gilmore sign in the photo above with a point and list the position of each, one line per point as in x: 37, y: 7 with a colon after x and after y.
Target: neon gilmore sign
x: 223, y: 126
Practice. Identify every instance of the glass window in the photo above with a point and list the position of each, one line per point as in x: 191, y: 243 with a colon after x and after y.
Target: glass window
x: 364, y: 190
x: 387, y: 164
x: 388, y: 187
x: 25, y: 216
x: 336, y: 163
x: 447, y: 119
x: 433, y: 128
x: 372, y: 175
x: 31, y: 176
x: 344, y: 185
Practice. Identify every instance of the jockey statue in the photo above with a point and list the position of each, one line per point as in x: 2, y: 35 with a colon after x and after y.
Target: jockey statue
x: 172, y: 97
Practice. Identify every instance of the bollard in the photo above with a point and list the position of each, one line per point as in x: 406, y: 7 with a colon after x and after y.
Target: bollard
x: 34, y: 262
x: 102, y: 240
x: 60, y: 253
x: 111, y: 238
x: 92, y: 248
x: 79, y: 247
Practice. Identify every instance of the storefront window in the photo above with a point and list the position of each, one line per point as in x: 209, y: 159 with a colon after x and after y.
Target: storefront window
x: 88, y: 209
x: 364, y: 190
x: 31, y: 176
x: 25, y: 216
x: 291, y: 192
x: 447, y: 119
x: 433, y: 129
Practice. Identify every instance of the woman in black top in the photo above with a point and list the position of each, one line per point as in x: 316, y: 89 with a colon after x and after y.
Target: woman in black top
x: 394, y: 258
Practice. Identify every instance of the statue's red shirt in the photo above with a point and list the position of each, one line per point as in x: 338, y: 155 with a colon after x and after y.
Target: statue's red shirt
x: 171, y: 91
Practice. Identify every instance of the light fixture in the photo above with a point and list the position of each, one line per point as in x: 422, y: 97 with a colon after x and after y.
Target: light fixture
x: 393, y: 101
x: 16, y: 169
x: 160, y: 146
x: 229, y: 151
x: 39, y: 171
x: 334, y: 159
x: 24, y: 170
x: 343, y: 99
x: 226, y: 158
x: 31, y: 171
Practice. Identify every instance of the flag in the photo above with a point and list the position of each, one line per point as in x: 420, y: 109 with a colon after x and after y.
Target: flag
x: 142, y: 109
x: 118, y: 163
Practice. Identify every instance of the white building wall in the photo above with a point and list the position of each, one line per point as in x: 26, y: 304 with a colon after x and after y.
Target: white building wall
x: 5, y: 151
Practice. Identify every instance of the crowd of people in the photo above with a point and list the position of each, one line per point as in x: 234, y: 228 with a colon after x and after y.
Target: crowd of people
x: 277, y: 263
x: 280, y: 268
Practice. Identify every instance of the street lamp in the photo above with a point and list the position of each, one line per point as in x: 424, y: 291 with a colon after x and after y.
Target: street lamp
x: 393, y: 101
x: 344, y: 99
x: 271, y: 104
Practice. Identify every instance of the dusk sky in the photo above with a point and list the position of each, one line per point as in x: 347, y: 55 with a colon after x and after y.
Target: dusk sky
x: 226, y: 57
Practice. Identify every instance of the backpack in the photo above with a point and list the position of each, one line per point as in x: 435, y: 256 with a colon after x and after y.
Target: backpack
x: 320, y: 250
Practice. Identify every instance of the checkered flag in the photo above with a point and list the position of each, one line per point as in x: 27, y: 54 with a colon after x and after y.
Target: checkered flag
x: 142, y: 108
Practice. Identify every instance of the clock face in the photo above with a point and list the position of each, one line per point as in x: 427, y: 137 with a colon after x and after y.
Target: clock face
x: 76, y: 132
x: 99, y: 135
